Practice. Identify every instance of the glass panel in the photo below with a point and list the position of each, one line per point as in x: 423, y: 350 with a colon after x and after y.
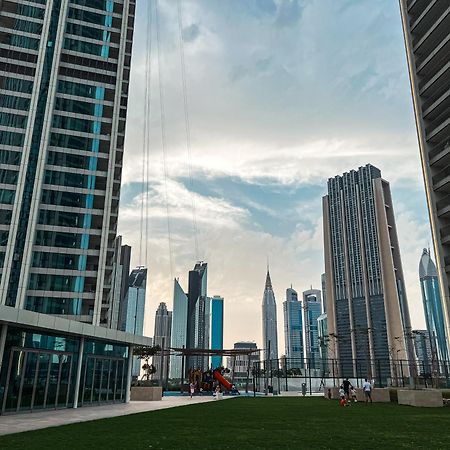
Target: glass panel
x: 120, y: 381
x: 66, y: 371
x: 88, y: 381
x: 29, y: 380
x: 97, y: 380
x: 15, y: 374
x: 105, y: 388
x: 39, y: 396
x: 53, y: 381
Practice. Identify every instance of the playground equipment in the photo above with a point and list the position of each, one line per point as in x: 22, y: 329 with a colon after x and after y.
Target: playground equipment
x: 223, y: 381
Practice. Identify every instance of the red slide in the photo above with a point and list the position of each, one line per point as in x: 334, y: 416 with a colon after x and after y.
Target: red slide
x: 225, y: 383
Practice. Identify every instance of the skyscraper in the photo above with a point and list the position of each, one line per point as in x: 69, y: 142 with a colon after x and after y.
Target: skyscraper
x: 293, y: 329
x: 161, y: 337
x: 312, y: 307
x: 216, y: 329
x: 368, y: 315
x: 134, y: 308
x: 64, y: 76
x: 269, y: 322
x: 179, y: 327
x: 427, y: 36
x: 198, y: 315
x: 322, y: 325
x: 424, y: 352
x: 64, y: 85
x: 432, y: 306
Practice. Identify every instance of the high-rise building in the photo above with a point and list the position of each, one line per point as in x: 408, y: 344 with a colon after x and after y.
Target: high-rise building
x: 424, y: 351
x: 293, y: 330
x: 432, y: 305
x: 269, y: 322
x: 134, y: 308
x: 323, y: 281
x: 312, y: 307
x: 64, y: 76
x: 427, y: 36
x: 198, y: 319
x: 216, y: 329
x: 161, y: 337
x: 121, y: 271
x: 64, y: 84
x: 179, y: 328
x: 368, y: 315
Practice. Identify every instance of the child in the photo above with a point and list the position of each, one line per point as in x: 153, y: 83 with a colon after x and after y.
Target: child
x: 342, y: 396
x: 353, y: 394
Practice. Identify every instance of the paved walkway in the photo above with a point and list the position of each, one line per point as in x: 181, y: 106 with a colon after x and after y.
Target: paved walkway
x: 42, y: 419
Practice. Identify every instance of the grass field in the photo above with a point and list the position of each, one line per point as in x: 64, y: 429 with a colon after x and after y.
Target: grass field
x: 253, y: 423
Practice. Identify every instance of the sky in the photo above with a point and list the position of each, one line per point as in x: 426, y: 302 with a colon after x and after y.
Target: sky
x: 281, y: 95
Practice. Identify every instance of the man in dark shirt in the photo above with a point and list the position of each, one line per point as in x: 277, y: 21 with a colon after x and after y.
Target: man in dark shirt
x: 347, y: 385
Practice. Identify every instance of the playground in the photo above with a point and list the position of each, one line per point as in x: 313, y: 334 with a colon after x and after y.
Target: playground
x: 253, y: 423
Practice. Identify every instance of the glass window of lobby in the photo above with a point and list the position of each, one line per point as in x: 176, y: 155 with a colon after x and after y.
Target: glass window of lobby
x: 64, y: 77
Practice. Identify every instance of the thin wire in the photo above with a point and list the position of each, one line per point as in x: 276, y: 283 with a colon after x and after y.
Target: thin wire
x: 163, y: 134
x: 187, y: 126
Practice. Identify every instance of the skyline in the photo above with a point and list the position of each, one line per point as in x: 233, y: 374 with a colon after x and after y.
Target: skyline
x: 258, y: 177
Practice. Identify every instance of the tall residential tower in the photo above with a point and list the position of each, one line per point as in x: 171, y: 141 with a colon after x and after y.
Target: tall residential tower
x: 368, y: 315
x: 426, y: 27
x: 293, y: 329
x: 161, y: 337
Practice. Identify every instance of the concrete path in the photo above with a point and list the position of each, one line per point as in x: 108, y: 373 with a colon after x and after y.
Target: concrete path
x: 18, y: 423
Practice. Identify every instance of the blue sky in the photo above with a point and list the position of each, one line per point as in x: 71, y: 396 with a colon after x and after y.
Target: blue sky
x: 282, y: 95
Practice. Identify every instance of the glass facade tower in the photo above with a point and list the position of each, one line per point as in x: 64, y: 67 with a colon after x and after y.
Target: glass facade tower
x: 293, y: 329
x: 432, y: 305
x: 312, y: 309
x: 269, y: 325
x: 216, y: 329
x: 63, y: 103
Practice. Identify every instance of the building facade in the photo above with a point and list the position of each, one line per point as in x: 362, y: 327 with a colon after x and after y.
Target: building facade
x: 64, y: 84
x: 368, y: 315
x: 324, y: 338
x: 424, y: 352
x: 432, y: 306
x: 323, y: 281
x: 269, y: 322
x: 216, y: 329
x: 241, y: 365
x: 179, y: 329
x: 312, y: 307
x: 162, y: 337
x: 293, y: 330
x: 198, y: 315
x: 427, y: 40
x: 64, y: 77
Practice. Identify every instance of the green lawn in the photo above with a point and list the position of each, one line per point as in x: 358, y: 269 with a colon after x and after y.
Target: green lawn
x: 253, y: 423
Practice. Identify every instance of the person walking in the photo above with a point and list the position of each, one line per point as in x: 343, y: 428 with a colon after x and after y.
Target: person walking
x: 367, y: 389
x: 347, y: 385
x: 191, y: 389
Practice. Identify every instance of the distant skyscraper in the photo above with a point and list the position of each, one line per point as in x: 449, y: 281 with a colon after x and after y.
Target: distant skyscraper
x: 432, y: 305
x: 427, y: 35
x: 269, y: 325
x: 424, y: 352
x: 216, y: 329
x: 163, y: 329
x: 64, y: 81
x: 312, y: 306
x: 121, y: 271
x: 293, y: 329
x: 368, y: 315
x: 198, y: 315
x: 179, y: 327
x: 135, y: 307
x: 324, y: 292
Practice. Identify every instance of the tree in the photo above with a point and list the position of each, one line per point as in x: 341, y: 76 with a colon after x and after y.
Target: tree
x: 145, y: 352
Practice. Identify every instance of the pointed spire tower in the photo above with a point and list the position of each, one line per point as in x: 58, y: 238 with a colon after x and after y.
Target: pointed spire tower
x: 269, y: 325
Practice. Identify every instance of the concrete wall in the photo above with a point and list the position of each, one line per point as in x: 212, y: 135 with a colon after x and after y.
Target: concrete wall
x: 431, y: 398
x: 146, y: 394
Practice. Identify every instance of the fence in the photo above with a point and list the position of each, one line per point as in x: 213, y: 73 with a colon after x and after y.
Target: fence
x: 292, y: 374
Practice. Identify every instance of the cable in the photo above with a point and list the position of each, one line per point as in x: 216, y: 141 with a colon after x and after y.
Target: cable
x: 163, y: 134
x: 187, y: 126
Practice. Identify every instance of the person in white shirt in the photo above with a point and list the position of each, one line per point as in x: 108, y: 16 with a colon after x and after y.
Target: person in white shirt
x: 367, y: 389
